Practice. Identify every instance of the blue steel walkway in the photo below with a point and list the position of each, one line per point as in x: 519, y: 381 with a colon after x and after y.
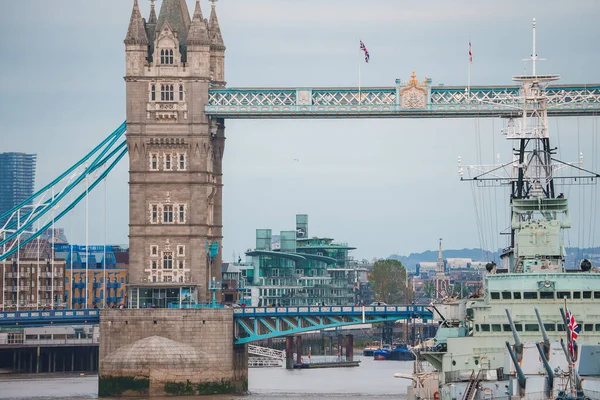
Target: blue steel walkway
x: 258, y: 323
x: 250, y: 323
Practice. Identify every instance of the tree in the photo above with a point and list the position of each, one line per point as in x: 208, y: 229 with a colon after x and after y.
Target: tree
x: 429, y: 288
x: 388, y: 281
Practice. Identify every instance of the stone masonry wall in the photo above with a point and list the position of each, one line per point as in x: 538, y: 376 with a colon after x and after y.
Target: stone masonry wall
x: 223, y: 367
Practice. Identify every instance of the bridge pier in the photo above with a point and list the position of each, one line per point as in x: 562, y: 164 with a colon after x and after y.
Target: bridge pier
x: 169, y: 352
x: 298, y: 349
x: 349, y: 348
x: 289, y: 352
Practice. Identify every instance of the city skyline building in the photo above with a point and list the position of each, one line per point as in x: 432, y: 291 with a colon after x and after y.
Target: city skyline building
x: 17, y: 180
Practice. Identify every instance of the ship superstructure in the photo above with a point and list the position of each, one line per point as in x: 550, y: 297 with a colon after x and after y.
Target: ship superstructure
x: 469, y: 351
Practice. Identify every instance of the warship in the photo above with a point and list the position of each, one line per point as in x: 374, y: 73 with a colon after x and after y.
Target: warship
x: 506, y: 342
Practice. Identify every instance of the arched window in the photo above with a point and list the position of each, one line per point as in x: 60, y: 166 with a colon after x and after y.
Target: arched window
x: 153, y: 92
x: 180, y: 264
x: 168, y: 261
x: 171, y: 92
x: 154, y: 162
x: 171, y: 56
x: 180, y: 92
x: 162, y: 92
x: 162, y: 56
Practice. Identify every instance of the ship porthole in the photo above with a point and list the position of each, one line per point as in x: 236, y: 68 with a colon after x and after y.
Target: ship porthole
x: 453, y: 362
x: 476, y: 362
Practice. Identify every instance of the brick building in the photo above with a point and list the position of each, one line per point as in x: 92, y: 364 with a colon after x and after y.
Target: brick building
x: 33, y: 279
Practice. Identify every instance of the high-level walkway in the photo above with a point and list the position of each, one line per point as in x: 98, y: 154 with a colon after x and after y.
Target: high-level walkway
x: 405, y: 100
x: 250, y: 323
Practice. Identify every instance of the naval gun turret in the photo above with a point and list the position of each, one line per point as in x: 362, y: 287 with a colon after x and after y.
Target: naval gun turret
x: 518, y: 347
x: 546, y: 343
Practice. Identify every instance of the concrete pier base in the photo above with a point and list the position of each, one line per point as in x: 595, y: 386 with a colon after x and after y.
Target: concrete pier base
x: 349, y: 348
x: 289, y: 352
x: 162, y: 352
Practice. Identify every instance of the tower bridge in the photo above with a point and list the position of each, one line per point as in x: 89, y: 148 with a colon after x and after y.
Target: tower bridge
x: 177, y: 104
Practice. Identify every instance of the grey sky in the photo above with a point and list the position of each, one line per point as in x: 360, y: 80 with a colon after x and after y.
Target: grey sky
x: 383, y: 186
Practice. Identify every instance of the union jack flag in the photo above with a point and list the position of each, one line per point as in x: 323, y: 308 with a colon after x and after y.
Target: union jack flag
x: 364, y: 48
x: 574, y: 329
x: 470, y: 53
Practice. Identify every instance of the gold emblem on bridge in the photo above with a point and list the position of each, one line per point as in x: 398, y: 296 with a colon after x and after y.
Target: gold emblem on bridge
x: 414, y: 94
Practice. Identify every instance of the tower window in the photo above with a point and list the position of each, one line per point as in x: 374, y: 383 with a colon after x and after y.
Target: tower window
x: 154, y: 250
x: 180, y: 264
x: 168, y: 261
x: 154, y: 264
x: 168, y: 214
x: 153, y: 92
x: 180, y: 250
x: 166, y: 56
x: 154, y: 213
x: 166, y: 92
x: 180, y: 92
x: 154, y: 162
x: 182, y: 162
x: 181, y: 214
x: 168, y: 162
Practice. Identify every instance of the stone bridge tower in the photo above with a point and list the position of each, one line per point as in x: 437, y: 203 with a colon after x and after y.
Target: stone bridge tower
x: 175, y: 154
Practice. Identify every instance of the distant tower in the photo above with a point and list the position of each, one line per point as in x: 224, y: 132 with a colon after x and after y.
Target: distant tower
x: 17, y: 181
x: 440, y: 260
x: 175, y: 153
x: 441, y: 281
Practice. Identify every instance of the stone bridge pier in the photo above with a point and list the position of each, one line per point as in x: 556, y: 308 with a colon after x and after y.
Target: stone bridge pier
x: 178, y: 352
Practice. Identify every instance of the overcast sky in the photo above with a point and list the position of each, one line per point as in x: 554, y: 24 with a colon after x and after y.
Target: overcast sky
x: 384, y: 186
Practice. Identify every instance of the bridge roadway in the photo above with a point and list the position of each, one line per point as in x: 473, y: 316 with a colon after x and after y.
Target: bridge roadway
x: 401, y: 101
x: 250, y: 323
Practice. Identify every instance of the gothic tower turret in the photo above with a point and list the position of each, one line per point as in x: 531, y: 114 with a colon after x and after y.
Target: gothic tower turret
x: 217, y: 48
x: 175, y: 154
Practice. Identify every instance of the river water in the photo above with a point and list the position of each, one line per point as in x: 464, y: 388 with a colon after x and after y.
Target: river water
x: 372, y: 380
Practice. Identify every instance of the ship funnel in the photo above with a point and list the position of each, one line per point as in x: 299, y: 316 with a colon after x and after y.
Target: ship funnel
x: 518, y: 345
x: 522, y: 380
x: 546, y: 344
x: 550, y: 378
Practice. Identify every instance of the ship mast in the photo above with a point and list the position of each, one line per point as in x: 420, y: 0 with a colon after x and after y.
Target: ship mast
x: 535, y: 208
x: 532, y: 162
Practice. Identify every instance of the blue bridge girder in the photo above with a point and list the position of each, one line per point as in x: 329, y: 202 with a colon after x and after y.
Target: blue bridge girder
x: 250, y: 323
x: 17, y: 319
x: 258, y: 323
x: 395, y: 102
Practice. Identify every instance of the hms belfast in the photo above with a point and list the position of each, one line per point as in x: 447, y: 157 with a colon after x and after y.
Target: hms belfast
x: 506, y: 344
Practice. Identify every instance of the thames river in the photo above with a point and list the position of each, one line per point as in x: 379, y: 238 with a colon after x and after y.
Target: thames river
x: 372, y: 379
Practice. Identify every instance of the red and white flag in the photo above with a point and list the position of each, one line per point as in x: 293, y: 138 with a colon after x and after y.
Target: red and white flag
x: 470, y: 53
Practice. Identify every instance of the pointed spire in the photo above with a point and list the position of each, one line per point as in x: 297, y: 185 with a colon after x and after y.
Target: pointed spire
x: 136, y: 33
x: 198, y: 34
x: 216, y: 39
x: 153, y: 19
x: 178, y: 15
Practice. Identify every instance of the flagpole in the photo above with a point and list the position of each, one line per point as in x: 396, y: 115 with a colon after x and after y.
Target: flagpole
x: 359, y: 62
x: 469, y: 71
x: 569, y: 344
